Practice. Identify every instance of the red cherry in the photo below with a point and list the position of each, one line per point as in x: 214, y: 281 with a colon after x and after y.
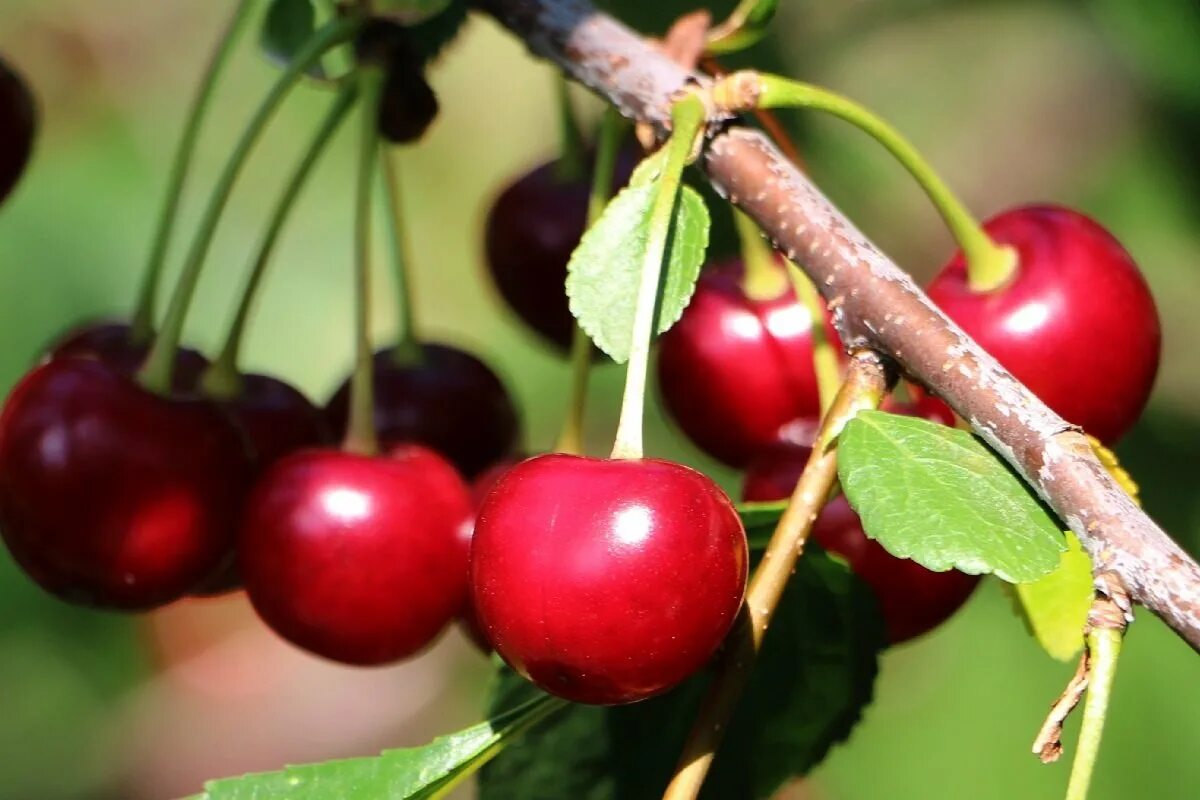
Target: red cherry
x: 531, y: 230
x: 358, y: 559
x: 109, y: 342
x: 113, y: 496
x: 450, y: 401
x: 18, y: 126
x: 736, y: 373
x: 607, y: 581
x: 1075, y: 323
x: 276, y: 418
x: 922, y: 404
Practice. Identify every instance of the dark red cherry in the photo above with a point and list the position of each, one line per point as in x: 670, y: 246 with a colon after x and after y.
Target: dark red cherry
x: 113, y: 496
x: 531, y: 230
x: 736, y: 373
x: 109, y: 341
x: 358, y: 559
x: 18, y: 126
x: 920, y: 404
x: 276, y: 418
x: 449, y: 401
x: 607, y: 581
x: 1075, y: 322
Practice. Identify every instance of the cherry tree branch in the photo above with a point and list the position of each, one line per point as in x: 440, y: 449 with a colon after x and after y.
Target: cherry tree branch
x: 877, y: 305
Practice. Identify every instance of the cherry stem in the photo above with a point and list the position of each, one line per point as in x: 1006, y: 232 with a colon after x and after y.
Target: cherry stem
x: 156, y: 373
x: 608, y: 141
x: 144, y: 313
x: 407, y: 350
x: 825, y: 358
x: 746, y: 25
x: 989, y: 265
x: 761, y: 278
x: 1104, y: 648
x: 222, y: 378
x: 865, y: 386
x: 572, y: 162
x: 687, y: 120
x: 360, y: 426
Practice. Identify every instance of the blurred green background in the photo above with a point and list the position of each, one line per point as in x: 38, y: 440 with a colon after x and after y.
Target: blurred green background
x: 1094, y: 104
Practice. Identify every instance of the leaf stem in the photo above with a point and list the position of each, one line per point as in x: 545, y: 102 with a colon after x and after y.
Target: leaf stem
x: 687, y: 118
x: 761, y: 277
x: 865, y: 386
x: 156, y: 373
x: 145, y: 311
x: 989, y: 265
x: 825, y: 357
x: 1104, y: 645
x: 407, y: 350
x: 570, y: 437
x: 746, y: 25
x: 222, y: 379
x: 360, y: 426
x: 572, y: 163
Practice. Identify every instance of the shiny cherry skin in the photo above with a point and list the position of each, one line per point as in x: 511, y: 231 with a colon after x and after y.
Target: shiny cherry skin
x: 736, y: 373
x: 358, y: 559
x: 607, y: 581
x: 531, y: 230
x: 109, y: 341
x: 113, y: 496
x: 18, y: 127
x: 1075, y: 323
x: 450, y: 401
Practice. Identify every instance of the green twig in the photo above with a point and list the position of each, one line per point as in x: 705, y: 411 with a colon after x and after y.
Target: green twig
x: 825, y: 357
x: 407, y: 350
x: 1104, y: 646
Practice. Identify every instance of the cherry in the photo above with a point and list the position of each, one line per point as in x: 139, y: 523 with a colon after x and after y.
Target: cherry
x: 736, y: 372
x: 18, y: 126
x: 109, y: 341
x: 607, y: 581
x: 920, y: 404
x: 113, y: 496
x: 1075, y: 322
x: 531, y: 230
x: 448, y: 400
x: 355, y: 558
x: 276, y: 418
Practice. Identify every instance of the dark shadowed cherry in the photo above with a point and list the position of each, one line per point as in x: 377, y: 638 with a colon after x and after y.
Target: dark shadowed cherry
x: 113, y: 496
x: 606, y: 581
x: 109, y: 341
x: 18, y: 126
x: 358, y: 559
x: 450, y: 401
x: 1075, y: 322
x: 531, y: 230
x: 736, y: 373
x: 920, y: 404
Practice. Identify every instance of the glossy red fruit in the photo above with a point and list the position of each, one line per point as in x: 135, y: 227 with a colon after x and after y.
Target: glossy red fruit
x: 736, y: 373
x: 1075, y: 323
x: 109, y: 341
x: 113, y: 496
x: 450, y: 401
x: 358, y: 559
x: 607, y: 581
x: 531, y: 230
x: 18, y: 127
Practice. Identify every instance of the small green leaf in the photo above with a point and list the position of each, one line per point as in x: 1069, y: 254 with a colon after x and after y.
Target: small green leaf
x: 753, y: 24
x: 808, y: 688
x: 939, y: 496
x: 417, y: 772
x: 1055, y: 608
x: 605, y: 269
x: 287, y: 25
x: 759, y: 520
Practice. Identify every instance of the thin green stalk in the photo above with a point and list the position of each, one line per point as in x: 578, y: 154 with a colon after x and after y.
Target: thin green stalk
x: 989, y: 265
x: 360, y: 426
x: 156, y: 373
x: 145, y: 311
x: 407, y: 350
x: 570, y: 437
x: 687, y: 118
x: 572, y: 162
x: 222, y: 378
x: 762, y: 279
x: 825, y: 359
x: 746, y: 25
x: 1104, y: 646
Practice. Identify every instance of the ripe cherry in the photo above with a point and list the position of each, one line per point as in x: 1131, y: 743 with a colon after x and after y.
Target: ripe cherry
x: 358, y: 559
x: 448, y: 400
x: 110, y: 342
x: 607, y: 581
x: 1075, y: 322
x: 276, y: 418
x: 736, y: 372
x: 18, y: 126
x: 113, y: 496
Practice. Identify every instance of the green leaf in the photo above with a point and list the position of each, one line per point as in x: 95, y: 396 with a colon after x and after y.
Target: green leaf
x: 605, y: 269
x: 939, y: 496
x: 754, y: 24
x: 417, y: 772
x: 812, y: 680
x: 1056, y: 607
x: 759, y: 520
x: 287, y: 25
